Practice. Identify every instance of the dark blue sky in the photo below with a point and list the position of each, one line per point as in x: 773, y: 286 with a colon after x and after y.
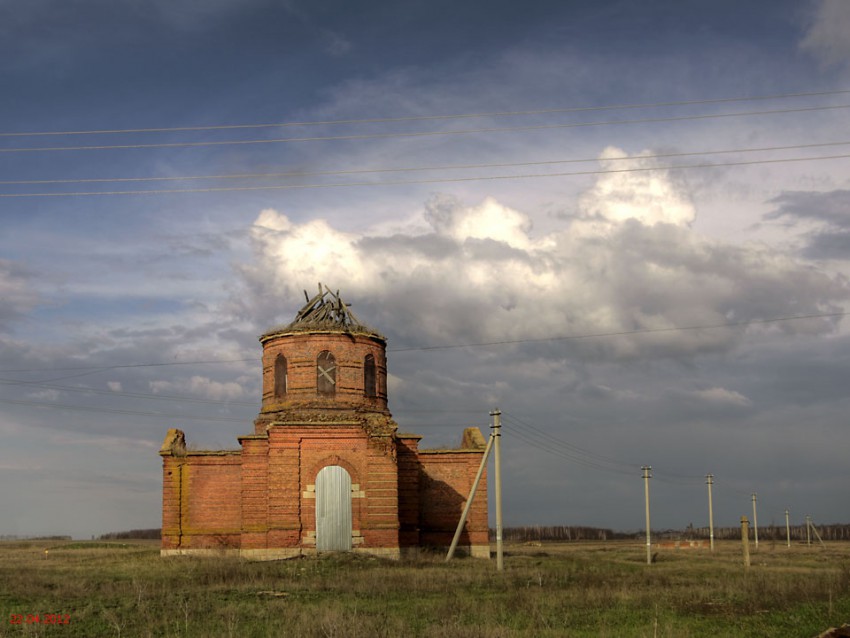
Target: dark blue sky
x: 103, y: 64
x: 434, y: 256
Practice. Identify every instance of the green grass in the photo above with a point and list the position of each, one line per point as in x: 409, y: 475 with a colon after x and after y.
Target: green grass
x: 579, y: 589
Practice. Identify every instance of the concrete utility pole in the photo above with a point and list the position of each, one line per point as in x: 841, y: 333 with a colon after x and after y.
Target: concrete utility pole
x: 755, y: 522
x: 815, y: 530
x: 646, y: 476
x: 808, y: 530
x: 787, y: 528
x: 745, y: 540
x: 497, y: 436
x: 709, y: 479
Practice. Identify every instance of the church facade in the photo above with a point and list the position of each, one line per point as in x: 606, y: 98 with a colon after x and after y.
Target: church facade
x: 325, y: 467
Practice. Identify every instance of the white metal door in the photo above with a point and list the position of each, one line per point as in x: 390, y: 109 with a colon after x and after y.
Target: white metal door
x: 333, y: 509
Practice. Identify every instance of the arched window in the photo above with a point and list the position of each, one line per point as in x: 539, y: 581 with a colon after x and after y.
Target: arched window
x: 280, y: 380
x: 326, y: 374
x: 369, y: 377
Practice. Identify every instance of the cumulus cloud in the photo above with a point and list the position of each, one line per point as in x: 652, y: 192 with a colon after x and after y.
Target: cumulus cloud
x: 650, y: 197
x: 334, y: 43
x: 200, y: 386
x: 826, y: 38
x: 48, y: 396
x: 16, y: 294
x: 628, y: 261
x: 830, y: 207
x: 721, y: 397
x: 111, y: 443
x: 488, y: 220
x: 828, y: 245
x: 823, y: 217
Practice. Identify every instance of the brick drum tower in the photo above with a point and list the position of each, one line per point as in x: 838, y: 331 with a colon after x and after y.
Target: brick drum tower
x: 325, y: 468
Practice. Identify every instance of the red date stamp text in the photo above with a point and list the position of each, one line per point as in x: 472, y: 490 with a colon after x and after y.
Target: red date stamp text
x: 40, y: 619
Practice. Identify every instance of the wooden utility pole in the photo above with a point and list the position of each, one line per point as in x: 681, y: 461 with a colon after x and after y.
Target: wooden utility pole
x: 497, y: 435
x: 709, y: 479
x: 755, y: 522
x: 787, y: 528
x: 745, y: 540
x: 646, y: 476
x: 808, y: 530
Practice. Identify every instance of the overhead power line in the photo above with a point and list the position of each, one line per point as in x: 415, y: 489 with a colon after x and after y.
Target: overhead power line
x: 123, y: 394
x: 63, y: 406
x: 409, y: 169
x: 366, y: 136
x: 597, y: 460
x: 674, y: 478
x: 546, y: 446
x: 597, y: 335
x: 621, y: 333
x: 130, y: 365
x: 189, y: 399
x: 543, y: 440
x: 445, y: 180
x: 413, y: 118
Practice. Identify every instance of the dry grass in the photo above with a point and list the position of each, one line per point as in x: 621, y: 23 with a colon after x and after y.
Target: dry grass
x: 578, y: 589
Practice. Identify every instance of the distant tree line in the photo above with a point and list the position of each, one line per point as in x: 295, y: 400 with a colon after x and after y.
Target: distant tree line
x: 14, y: 537
x: 531, y: 533
x: 131, y: 534
x: 831, y: 532
x: 558, y: 533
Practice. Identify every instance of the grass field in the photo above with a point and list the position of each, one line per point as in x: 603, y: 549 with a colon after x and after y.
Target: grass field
x: 577, y: 589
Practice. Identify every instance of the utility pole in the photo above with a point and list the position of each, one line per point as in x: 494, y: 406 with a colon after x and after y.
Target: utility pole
x: 815, y: 530
x: 787, y: 528
x: 745, y: 541
x: 497, y: 437
x: 472, y: 491
x: 709, y: 479
x: 646, y: 476
x: 755, y: 522
x: 808, y: 530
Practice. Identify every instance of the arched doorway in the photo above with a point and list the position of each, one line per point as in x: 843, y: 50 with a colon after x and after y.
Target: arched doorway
x: 333, y: 509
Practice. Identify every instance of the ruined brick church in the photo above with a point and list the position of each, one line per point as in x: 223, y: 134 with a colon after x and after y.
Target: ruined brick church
x: 325, y: 468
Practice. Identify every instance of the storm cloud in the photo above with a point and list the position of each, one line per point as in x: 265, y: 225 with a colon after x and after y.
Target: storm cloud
x: 627, y: 262
x: 822, y: 217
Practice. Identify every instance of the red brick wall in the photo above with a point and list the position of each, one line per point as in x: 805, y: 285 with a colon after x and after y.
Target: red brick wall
x: 254, y: 491
x: 380, y: 527
x: 444, y: 482
x: 201, y: 501
x: 408, y: 490
x: 370, y: 461
x: 260, y: 498
x: 302, y: 350
x: 172, y: 469
x: 324, y: 445
x: 284, y: 483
